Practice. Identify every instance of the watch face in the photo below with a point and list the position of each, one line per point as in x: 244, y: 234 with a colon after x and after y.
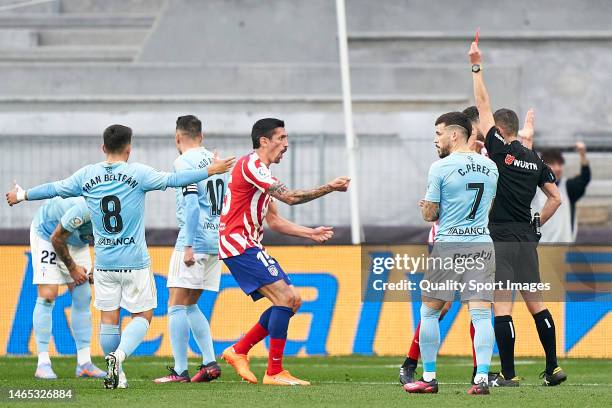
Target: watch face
x: 475, y: 68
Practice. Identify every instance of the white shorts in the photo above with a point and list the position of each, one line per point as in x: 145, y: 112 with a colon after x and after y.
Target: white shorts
x: 131, y: 289
x: 48, y: 268
x: 204, y: 274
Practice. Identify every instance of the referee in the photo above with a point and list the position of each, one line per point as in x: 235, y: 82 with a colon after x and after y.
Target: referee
x: 521, y: 172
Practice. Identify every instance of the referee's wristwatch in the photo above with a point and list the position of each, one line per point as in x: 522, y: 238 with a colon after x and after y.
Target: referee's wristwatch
x: 476, y: 68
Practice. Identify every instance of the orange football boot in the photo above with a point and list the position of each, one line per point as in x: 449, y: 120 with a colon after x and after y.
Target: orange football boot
x: 240, y: 362
x: 283, y: 378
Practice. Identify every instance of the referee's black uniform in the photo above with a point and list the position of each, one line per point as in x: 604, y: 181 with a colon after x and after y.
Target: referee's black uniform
x: 521, y: 172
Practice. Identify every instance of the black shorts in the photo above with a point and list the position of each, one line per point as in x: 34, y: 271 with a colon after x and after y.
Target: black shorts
x: 516, y: 255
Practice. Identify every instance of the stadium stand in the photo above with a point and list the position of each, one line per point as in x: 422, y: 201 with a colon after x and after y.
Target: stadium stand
x: 71, y: 67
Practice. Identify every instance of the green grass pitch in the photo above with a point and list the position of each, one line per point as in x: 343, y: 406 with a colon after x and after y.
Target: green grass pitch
x: 337, y: 382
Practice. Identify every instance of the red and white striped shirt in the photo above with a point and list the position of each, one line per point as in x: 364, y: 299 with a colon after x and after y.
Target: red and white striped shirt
x: 435, y: 226
x: 245, y: 206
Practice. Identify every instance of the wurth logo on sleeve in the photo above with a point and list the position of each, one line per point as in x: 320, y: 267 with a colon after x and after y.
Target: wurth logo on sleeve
x: 511, y: 160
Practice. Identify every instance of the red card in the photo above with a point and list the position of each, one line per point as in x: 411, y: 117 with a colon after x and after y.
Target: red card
x: 477, y: 35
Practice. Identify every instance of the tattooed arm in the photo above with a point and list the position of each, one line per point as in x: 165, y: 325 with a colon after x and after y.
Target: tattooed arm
x: 58, y: 240
x: 429, y: 210
x: 293, y: 197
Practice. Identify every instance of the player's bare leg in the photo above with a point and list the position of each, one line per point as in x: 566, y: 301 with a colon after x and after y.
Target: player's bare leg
x: 297, y: 299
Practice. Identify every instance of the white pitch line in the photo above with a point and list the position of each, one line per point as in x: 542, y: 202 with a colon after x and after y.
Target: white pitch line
x: 361, y: 366
x: 523, y: 384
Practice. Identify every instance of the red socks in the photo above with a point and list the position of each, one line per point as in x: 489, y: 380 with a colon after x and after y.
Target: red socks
x: 415, y: 350
x: 275, y: 356
x: 254, y: 336
x: 472, y: 332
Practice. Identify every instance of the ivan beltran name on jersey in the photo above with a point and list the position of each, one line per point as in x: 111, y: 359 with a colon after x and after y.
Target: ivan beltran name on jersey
x: 110, y: 177
x: 511, y: 160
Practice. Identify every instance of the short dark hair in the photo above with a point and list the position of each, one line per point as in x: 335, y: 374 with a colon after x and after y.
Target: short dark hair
x: 456, y: 119
x: 264, y: 128
x: 507, y: 120
x: 550, y: 156
x: 472, y: 113
x: 190, y: 125
x: 116, y: 138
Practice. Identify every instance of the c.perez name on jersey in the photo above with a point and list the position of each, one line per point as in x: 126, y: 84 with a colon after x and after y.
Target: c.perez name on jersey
x: 471, y: 167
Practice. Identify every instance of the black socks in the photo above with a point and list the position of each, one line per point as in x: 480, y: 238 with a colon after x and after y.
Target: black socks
x: 546, y: 330
x: 505, y: 337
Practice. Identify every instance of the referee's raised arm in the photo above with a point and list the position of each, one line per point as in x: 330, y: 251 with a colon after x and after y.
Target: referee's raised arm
x: 481, y: 95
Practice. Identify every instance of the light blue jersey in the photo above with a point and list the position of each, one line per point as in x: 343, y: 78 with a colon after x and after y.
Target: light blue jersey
x: 115, y: 195
x: 198, y: 220
x: 72, y: 213
x: 464, y: 185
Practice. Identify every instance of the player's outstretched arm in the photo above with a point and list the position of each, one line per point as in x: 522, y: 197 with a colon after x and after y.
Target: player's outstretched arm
x: 282, y: 225
x: 280, y: 191
x: 429, y: 210
x: 58, y: 240
x: 185, y: 177
x: 553, y: 201
x: 528, y: 131
x: 70, y: 187
x: 17, y: 194
x: 220, y: 166
x: 481, y: 95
